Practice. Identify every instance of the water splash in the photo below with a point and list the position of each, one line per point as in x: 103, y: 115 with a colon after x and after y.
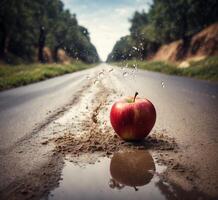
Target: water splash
x: 110, y: 70
x: 96, y: 81
x: 163, y: 84
x: 125, y: 74
x: 135, y: 67
x: 101, y: 74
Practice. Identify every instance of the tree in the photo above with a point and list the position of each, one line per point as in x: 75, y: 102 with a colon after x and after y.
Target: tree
x: 182, y: 18
x: 26, y: 27
x: 137, y: 22
x: 14, y: 22
x: 122, y: 50
x: 166, y: 21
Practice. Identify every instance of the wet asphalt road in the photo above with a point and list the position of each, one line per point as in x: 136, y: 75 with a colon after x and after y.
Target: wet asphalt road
x: 23, y: 108
x: 186, y: 108
x: 179, y: 101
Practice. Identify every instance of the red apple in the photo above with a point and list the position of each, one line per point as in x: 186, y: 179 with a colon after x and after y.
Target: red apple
x: 133, y: 118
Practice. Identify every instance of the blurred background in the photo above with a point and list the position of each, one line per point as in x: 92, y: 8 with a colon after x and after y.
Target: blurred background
x: 177, y: 33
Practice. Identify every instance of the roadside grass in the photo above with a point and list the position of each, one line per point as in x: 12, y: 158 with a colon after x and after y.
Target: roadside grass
x: 206, y: 69
x: 14, y: 76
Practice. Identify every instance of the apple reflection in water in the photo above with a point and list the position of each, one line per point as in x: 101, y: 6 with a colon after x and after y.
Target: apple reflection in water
x: 131, y: 168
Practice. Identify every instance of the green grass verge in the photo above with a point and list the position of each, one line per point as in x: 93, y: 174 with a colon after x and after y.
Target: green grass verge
x: 14, y: 76
x: 206, y: 69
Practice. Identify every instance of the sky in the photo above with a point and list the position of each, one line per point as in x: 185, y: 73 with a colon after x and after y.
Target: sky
x: 106, y: 20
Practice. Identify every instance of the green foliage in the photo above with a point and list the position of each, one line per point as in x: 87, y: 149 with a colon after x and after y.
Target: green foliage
x: 180, y: 19
x: 26, y: 27
x: 11, y: 76
x: 137, y: 22
x: 166, y: 21
x: 205, y: 69
x: 123, y: 49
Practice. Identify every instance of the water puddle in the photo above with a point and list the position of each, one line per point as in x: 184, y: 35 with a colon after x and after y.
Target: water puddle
x: 126, y: 175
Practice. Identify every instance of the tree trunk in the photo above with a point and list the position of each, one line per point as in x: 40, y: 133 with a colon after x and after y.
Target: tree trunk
x: 41, y: 44
x: 7, y: 40
x: 56, y: 53
x: 186, y: 39
x: 4, y: 44
x: 2, y: 47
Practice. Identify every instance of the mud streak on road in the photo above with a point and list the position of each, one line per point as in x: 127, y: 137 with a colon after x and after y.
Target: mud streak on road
x: 81, y: 128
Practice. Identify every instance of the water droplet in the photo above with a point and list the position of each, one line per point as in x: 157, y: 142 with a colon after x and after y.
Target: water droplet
x: 163, y: 85
x: 96, y: 81
x: 110, y: 70
x: 125, y: 74
x: 135, y: 67
x: 101, y: 74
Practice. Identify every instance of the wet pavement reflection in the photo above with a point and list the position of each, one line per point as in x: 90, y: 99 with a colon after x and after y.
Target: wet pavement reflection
x: 132, y: 169
x: 127, y: 175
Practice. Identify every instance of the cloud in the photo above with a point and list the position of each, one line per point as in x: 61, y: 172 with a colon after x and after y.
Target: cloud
x: 122, y: 11
x: 106, y: 21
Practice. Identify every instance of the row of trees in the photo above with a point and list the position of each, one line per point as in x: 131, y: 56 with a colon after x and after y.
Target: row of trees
x: 26, y: 27
x: 166, y: 21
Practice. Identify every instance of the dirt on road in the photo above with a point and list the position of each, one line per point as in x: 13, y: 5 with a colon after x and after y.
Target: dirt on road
x: 83, y: 128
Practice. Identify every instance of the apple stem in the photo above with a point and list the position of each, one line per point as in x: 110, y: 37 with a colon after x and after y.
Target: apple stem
x: 136, y: 93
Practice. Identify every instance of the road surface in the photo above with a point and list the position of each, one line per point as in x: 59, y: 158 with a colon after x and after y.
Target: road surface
x: 186, y: 110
